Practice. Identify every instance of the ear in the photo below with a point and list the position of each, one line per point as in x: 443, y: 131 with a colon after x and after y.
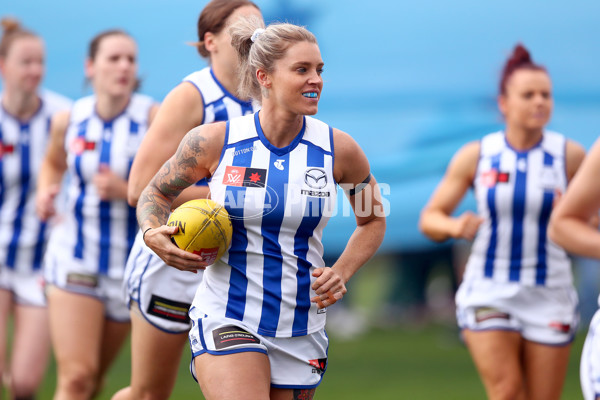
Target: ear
x: 502, y: 106
x: 88, y: 68
x: 209, y: 42
x: 263, y: 78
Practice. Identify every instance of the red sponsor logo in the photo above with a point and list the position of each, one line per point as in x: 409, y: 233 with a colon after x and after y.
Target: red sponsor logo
x: 208, y: 255
x: 234, y: 176
x: 489, y: 178
x: 79, y: 145
x: 492, y: 177
x: 244, y: 176
x: 6, y: 149
x: 560, y: 326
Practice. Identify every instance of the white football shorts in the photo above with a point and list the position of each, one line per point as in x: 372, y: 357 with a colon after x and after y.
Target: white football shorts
x: 27, y: 289
x: 296, y: 362
x: 546, y: 315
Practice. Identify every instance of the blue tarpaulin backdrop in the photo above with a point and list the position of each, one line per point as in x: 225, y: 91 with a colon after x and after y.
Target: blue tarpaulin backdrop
x: 411, y: 81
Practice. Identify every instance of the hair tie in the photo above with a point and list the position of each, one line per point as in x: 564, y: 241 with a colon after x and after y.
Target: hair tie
x: 256, y: 34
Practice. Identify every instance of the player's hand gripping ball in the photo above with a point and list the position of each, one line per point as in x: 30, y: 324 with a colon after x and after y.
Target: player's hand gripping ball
x: 204, y: 228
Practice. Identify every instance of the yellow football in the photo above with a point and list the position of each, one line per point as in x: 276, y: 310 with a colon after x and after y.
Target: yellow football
x: 204, y: 228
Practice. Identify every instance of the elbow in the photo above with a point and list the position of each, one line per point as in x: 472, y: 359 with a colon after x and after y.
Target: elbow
x: 553, y: 232
x: 132, y: 196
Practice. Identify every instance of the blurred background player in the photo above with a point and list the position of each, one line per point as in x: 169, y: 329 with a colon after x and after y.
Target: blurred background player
x: 259, y: 314
x: 160, y: 296
x: 516, y: 306
x: 95, y: 142
x: 24, y: 125
x: 574, y: 225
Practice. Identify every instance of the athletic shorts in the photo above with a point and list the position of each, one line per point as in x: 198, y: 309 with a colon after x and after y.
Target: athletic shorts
x: 164, y: 294
x: 27, y: 289
x: 546, y: 315
x: 73, y: 277
x: 296, y: 362
x: 589, y: 372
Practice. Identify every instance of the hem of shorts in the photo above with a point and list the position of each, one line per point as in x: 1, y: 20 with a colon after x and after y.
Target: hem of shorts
x: 557, y: 344
x: 278, y: 386
x: 491, y: 328
x: 172, y: 332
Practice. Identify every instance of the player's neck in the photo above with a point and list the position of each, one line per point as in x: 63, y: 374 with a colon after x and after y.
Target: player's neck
x: 280, y: 129
x: 20, y: 105
x: 523, y: 139
x: 228, y: 78
x: 108, y: 107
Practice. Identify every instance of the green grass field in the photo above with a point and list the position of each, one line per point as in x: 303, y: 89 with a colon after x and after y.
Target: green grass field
x: 429, y: 363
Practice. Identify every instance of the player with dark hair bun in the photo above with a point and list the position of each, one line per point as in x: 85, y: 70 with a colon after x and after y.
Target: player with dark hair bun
x: 516, y: 306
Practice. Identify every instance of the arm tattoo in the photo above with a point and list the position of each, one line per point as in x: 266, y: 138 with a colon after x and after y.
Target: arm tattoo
x: 175, y: 175
x: 304, y: 394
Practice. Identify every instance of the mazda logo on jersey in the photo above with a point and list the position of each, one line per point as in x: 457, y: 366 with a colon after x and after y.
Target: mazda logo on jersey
x: 316, y: 178
x: 244, y: 176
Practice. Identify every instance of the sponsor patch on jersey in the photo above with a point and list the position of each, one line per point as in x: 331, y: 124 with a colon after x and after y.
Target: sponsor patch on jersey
x: 549, y: 179
x: 492, y: 177
x: 244, y: 176
x: 231, y: 335
x: 79, y: 145
x: 314, y: 193
x: 487, y: 313
x: 169, y: 309
x: 560, y: 326
x: 6, y: 149
x: 318, y: 365
x: 77, y: 279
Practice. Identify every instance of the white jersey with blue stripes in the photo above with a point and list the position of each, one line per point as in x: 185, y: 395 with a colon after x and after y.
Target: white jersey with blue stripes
x: 514, y: 191
x: 219, y: 103
x: 22, y: 148
x: 279, y: 201
x: 96, y: 232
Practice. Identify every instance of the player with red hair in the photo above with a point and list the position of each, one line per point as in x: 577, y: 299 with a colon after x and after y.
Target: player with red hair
x: 516, y: 306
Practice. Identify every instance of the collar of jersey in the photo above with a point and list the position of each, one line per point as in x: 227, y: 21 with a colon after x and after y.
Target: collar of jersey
x: 278, y: 150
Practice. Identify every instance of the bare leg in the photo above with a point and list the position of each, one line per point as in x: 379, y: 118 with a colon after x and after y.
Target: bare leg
x: 235, y: 376
x: 155, y: 357
x: 76, y: 326
x: 6, y: 305
x: 497, y: 356
x: 545, y: 370
x: 30, y: 350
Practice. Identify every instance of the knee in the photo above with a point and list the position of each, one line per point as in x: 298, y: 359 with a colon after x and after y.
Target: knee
x: 79, y: 381
x: 506, y: 389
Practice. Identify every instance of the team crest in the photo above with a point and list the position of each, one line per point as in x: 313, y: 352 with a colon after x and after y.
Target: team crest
x: 492, y: 177
x: 6, y: 149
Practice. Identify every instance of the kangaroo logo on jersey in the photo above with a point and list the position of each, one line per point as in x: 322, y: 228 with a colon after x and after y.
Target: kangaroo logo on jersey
x: 492, y: 177
x: 244, y: 176
x: 79, y: 145
x: 279, y: 164
x: 6, y: 149
x: 316, y: 178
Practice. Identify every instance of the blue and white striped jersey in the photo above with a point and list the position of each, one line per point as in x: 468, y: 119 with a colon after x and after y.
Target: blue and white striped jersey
x: 99, y: 233
x: 514, y: 192
x: 22, y: 148
x: 279, y: 201
x: 219, y: 104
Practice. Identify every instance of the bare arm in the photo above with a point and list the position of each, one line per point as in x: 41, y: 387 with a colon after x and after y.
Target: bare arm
x: 569, y: 224
x: 350, y: 170
x: 575, y: 154
x: 181, y: 111
x: 197, y: 154
x: 436, y: 219
x: 53, y: 166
